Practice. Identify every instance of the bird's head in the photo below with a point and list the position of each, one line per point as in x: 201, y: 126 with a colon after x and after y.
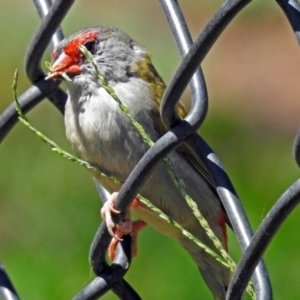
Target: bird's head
x: 116, y: 55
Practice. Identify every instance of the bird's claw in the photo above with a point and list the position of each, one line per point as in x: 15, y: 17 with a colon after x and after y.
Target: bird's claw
x: 123, y: 228
x: 106, y: 210
x: 135, y: 227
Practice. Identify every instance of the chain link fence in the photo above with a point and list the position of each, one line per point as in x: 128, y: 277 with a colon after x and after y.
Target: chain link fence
x: 110, y: 277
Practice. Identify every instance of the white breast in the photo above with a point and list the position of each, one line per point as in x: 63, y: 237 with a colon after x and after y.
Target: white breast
x: 100, y: 132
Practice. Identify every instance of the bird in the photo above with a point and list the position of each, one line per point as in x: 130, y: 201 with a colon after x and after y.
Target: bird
x: 101, y: 134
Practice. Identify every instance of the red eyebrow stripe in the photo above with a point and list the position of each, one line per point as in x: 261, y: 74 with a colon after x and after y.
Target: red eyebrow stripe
x: 72, y: 48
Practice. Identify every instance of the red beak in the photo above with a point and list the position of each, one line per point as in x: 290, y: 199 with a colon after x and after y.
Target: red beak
x: 64, y: 64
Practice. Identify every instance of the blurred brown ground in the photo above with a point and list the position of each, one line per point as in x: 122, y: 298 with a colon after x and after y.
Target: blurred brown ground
x: 255, y: 70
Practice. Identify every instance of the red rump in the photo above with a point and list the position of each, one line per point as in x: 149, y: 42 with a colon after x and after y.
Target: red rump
x: 222, y: 223
x: 72, y: 49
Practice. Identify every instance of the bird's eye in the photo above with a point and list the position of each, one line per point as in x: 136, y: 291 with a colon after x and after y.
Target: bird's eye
x: 90, y: 46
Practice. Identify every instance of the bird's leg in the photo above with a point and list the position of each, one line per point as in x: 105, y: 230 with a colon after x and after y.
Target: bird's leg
x: 107, y: 209
x: 125, y: 227
x: 136, y: 226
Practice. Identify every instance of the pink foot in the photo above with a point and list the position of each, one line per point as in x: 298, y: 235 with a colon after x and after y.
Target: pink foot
x: 125, y: 227
x: 106, y: 210
x: 136, y: 227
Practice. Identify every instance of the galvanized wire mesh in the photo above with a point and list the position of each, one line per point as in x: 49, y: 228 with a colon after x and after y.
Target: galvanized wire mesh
x: 180, y: 131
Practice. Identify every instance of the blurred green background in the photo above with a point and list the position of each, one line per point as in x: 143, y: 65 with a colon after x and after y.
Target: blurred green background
x: 49, y: 208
